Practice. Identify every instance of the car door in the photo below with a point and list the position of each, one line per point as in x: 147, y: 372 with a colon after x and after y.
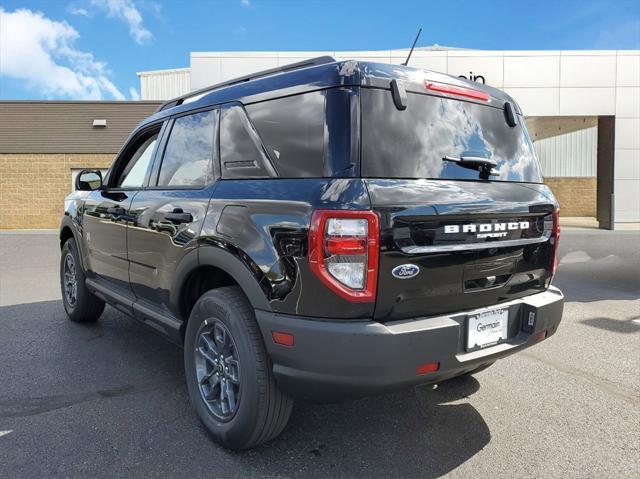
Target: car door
x: 166, y: 217
x: 105, y: 213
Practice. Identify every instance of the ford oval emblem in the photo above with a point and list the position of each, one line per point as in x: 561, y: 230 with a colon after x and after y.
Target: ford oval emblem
x: 405, y: 271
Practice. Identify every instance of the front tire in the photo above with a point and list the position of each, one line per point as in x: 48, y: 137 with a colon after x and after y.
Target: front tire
x: 81, y: 305
x: 228, y: 372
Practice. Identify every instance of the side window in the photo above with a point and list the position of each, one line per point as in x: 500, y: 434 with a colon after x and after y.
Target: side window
x: 188, y: 156
x: 135, y: 170
x: 241, y: 152
x: 292, y: 130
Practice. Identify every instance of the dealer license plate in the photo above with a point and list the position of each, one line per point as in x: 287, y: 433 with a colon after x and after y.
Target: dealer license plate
x: 487, y: 328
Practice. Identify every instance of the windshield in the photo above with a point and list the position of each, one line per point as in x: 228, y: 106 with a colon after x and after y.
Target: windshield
x: 411, y: 143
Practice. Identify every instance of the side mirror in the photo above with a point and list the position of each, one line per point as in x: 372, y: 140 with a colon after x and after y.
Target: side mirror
x: 88, y: 180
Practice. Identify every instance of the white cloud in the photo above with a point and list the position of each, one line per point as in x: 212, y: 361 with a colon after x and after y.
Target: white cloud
x: 126, y: 11
x: 245, y: 3
x: 81, y: 12
x: 133, y: 93
x: 41, y: 52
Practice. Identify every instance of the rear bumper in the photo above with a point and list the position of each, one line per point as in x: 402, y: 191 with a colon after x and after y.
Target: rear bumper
x: 333, y: 360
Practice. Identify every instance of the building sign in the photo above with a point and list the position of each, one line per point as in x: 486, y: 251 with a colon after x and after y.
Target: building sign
x: 473, y: 77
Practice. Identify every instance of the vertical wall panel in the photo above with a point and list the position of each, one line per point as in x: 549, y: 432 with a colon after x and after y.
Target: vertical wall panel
x: 572, y: 154
x: 164, y: 85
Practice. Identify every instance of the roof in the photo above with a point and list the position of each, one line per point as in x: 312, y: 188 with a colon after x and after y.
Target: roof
x: 251, y: 76
x: 312, y: 75
x: 67, y: 126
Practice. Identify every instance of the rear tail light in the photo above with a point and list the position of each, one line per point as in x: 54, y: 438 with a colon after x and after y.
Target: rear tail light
x: 555, y: 238
x: 343, y: 252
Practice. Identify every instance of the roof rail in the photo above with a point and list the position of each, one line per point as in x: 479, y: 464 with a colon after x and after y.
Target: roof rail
x: 252, y: 76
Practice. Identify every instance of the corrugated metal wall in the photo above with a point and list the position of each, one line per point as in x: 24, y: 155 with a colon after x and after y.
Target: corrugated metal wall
x: 573, y: 154
x: 67, y: 126
x: 165, y: 84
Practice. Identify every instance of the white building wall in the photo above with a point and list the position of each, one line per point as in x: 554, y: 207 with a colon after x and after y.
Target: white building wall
x: 545, y: 83
x: 627, y: 139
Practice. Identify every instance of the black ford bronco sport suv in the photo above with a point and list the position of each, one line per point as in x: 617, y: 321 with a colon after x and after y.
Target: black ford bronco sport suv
x: 325, y: 230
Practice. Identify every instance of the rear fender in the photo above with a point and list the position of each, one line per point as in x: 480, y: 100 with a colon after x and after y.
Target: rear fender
x: 207, y: 255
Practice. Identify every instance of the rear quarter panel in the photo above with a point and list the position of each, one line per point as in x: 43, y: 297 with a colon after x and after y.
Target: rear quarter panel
x: 265, y: 224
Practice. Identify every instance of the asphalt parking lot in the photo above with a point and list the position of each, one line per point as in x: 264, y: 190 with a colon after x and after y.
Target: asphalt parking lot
x: 109, y: 400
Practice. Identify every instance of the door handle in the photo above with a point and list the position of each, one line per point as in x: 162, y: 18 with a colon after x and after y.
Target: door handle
x: 116, y: 210
x: 178, y: 216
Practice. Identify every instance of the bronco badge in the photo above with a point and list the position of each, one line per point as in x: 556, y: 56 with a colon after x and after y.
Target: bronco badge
x: 405, y: 271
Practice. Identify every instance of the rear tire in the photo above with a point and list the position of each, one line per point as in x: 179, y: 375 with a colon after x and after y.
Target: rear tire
x: 81, y: 305
x: 228, y: 372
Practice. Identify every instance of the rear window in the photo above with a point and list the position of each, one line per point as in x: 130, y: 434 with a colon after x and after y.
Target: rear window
x: 411, y: 143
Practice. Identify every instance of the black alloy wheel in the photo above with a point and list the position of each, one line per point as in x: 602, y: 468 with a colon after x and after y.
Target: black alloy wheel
x: 218, y: 369
x: 70, y: 282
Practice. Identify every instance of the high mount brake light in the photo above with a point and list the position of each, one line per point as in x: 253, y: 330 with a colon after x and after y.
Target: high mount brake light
x: 343, y: 252
x: 456, y: 90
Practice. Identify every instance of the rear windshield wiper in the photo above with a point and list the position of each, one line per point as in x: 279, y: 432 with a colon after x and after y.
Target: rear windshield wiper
x: 484, y: 165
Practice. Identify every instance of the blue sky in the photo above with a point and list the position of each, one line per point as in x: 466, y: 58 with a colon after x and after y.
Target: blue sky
x: 92, y: 49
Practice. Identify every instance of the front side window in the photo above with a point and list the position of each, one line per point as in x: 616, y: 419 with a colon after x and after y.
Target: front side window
x: 188, y: 156
x: 135, y: 171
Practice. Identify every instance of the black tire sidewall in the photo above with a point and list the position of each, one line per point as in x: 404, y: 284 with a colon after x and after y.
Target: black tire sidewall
x: 70, y: 247
x: 237, y: 432
x: 88, y: 306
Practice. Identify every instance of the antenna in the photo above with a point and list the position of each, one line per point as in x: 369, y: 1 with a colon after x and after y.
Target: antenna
x: 406, y: 62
